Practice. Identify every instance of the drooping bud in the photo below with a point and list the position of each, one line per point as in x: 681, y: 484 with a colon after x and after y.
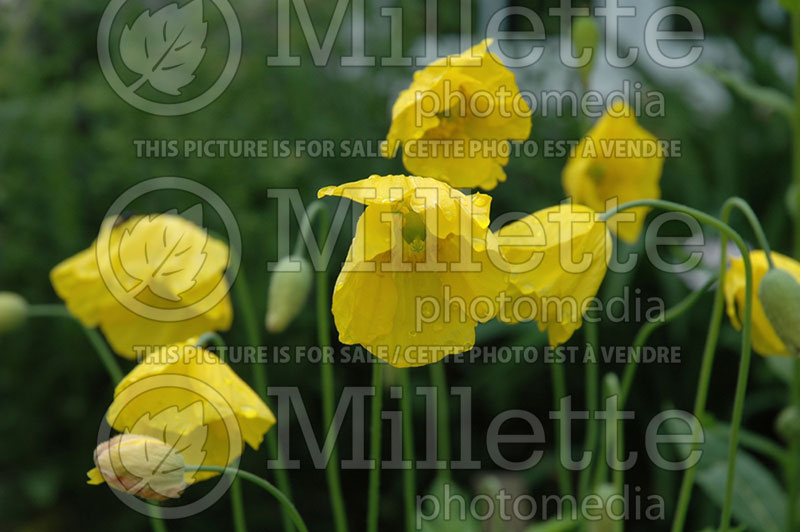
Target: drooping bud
x: 13, y: 311
x: 779, y: 293
x: 140, y: 465
x: 788, y: 423
x: 610, y: 509
x: 585, y: 34
x: 289, y: 287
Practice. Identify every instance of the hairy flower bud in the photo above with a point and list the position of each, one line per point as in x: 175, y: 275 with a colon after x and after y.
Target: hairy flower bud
x: 140, y: 465
x: 788, y: 423
x: 13, y: 311
x: 611, y: 506
x: 288, y: 290
x: 779, y: 293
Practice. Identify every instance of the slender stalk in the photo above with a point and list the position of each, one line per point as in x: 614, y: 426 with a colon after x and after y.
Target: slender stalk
x: 648, y: 328
x: 237, y: 506
x: 755, y: 225
x: 253, y: 332
x: 793, y: 467
x: 375, y: 448
x: 409, y: 481
x: 793, y: 464
x: 103, y: 352
x: 614, y: 439
x: 237, y: 501
x: 439, y: 379
x: 744, y: 362
x: 559, y: 392
x: 156, y: 523
x: 327, y: 378
x: 285, y: 502
x: 592, y: 385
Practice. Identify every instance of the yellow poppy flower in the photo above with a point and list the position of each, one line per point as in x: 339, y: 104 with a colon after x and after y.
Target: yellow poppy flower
x: 421, y: 271
x: 558, y: 257
x: 468, y: 102
x: 191, y: 399
x: 763, y: 338
x: 618, y: 159
x: 153, y: 280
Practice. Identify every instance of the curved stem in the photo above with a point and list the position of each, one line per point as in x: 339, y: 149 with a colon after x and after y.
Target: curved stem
x: 253, y: 333
x: 559, y: 392
x: 327, y: 383
x: 439, y: 379
x: 744, y: 363
x: 651, y: 326
x: 755, y: 225
x: 592, y: 391
x: 56, y: 310
x: 409, y: 481
x: 286, y: 504
x: 375, y: 448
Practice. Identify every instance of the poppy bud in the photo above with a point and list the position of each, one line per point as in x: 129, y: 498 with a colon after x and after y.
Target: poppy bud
x: 13, y: 311
x: 140, y: 465
x: 585, y: 35
x: 779, y: 293
x: 288, y: 290
x: 788, y: 423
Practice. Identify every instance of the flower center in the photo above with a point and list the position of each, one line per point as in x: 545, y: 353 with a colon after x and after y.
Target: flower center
x: 414, y: 231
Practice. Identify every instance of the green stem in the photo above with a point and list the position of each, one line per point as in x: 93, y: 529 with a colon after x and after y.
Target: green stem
x: 375, y: 448
x: 285, y: 502
x: 409, y: 482
x: 237, y: 502
x: 796, y: 133
x: 559, y: 392
x: 439, y: 379
x: 237, y: 506
x: 156, y: 523
x: 327, y: 381
x: 648, y: 328
x: 705, y: 376
x: 793, y: 465
x: 253, y: 333
x: 105, y: 355
x: 592, y: 386
x: 614, y: 440
x: 755, y: 225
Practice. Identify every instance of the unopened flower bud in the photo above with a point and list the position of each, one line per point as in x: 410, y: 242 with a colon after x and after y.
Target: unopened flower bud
x: 779, y: 293
x: 585, y: 35
x: 140, y: 465
x: 788, y: 423
x: 288, y: 290
x: 13, y: 311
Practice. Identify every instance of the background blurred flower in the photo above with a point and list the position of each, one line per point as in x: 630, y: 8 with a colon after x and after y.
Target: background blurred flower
x: 140, y: 465
x: 609, y: 164
x: 181, y: 412
x: 559, y: 257
x: 764, y: 338
x: 463, y: 98
x: 417, y: 242
x: 163, y: 261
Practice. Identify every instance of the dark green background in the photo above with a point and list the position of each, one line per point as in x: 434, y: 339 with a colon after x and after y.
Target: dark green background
x: 66, y: 152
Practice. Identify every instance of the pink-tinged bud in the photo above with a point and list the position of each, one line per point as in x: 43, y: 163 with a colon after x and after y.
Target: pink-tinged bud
x: 140, y: 465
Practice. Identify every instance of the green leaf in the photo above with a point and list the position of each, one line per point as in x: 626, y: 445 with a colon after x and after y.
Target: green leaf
x: 166, y: 47
x: 759, y: 503
x: 764, y: 96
